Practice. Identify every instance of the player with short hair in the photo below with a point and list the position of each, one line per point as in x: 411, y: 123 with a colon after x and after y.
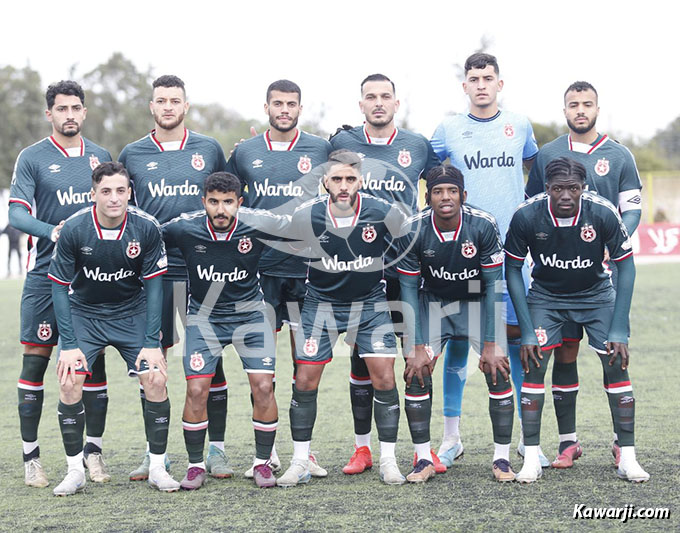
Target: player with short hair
x: 167, y: 168
x: 394, y: 160
x: 489, y: 145
x: 107, y: 263
x: 222, y: 246
x: 280, y: 170
x: 612, y: 173
x: 449, y: 272
x: 346, y: 235
x: 566, y: 231
x: 52, y: 180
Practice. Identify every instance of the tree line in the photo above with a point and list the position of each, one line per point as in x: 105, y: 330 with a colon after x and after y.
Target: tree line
x: 117, y: 98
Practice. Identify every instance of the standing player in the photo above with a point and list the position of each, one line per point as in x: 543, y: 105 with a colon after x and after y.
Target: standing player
x: 52, y: 180
x: 566, y: 232
x: 222, y: 252
x: 610, y: 172
x: 167, y: 168
x: 456, y: 248
x: 346, y: 231
x: 279, y: 170
x: 107, y: 292
x: 489, y: 145
x: 393, y: 161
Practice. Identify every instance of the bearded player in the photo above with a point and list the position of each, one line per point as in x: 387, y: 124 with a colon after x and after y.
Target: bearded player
x: 279, y: 170
x: 394, y: 160
x: 612, y: 173
x: 52, y: 180
x: 167, y: 168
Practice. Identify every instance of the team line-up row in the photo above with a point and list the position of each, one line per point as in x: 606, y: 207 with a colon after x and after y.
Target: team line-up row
x: 257, y: 225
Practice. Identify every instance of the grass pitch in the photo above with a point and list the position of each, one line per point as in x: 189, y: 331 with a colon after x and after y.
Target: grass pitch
x: 464, y: 499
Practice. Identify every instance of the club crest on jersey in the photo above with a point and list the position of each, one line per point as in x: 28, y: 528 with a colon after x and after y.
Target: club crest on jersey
x: 541, y: 335
x: 368, y: 234
x: 404, y: 158
x: 602, y: 167
x: 78, y: 365
x: 197, y: 162
x: 304, y: 164
x: 44, y: 331
x: 588, y: 233
x: 311, y: 346
x: 468, y: 249
x: 133, y: 249
x: 94, y: 162
x: 196, y: 362
x: 509, y: 131
x: 245, y: 245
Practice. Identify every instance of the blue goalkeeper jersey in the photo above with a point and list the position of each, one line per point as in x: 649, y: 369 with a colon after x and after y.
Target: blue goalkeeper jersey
x: 489, y: 153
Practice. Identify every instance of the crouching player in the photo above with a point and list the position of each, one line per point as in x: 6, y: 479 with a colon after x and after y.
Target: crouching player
x: 103, y: 254
x: 347, y: 233
x: 222, y: 247
x: 457, y: 252
x: 566, y: 231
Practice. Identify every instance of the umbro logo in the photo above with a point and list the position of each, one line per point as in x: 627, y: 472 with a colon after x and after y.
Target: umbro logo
x: 361, y: 155
x: 257, y: 163
x: 428, y: 253
x: 153, y: 165
x: 635, y: 199
x: 86, y: 250
x: 323, y: 239
x: 467, y: 134
x: 54, y: 168
x: 542, y: 236
x: 267, y: 361
x: 200, y: 249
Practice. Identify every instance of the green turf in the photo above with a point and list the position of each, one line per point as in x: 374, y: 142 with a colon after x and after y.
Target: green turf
x: 463, y: 499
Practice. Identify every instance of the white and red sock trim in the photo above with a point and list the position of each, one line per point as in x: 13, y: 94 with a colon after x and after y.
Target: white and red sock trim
x: 30, y: 385
x: 533, y: 388
x: 565, y: 388
x: 191, y: 426
x: 265, y: 426
x: 501, y: 395
x: 621, y: 386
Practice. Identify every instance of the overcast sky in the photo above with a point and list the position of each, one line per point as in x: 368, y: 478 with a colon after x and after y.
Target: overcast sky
x: 230, y: 52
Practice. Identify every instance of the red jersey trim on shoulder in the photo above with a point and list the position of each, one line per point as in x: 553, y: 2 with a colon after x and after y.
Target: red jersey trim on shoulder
x: 57, y: 280
x: 330, y: 213
x: 22, y: 202
x: 159, y: 145
x: 98, y: 228
x: 389, y: 141
x: 592, y: 148
x: 292, y: 144
x: 63, y: 150
x: 440, y: 234
x: 554, y: 220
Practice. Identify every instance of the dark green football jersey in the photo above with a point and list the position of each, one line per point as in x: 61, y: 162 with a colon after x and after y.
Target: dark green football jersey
x: 346, y: 255
x: 228, y: 259
x: 280, y: 181
x: 53, y: 186
x: 610, y: 169
x: 167, y: 183
x: 391, y: 171
x: 450, y: 262
x: 568, y: 253
x: 105, y: 267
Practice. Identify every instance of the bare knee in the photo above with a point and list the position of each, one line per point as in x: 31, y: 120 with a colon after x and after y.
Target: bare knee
x: 567, y: 353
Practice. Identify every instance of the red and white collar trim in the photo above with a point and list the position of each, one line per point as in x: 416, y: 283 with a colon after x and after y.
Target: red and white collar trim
x: 159, y: 145
x: 333, y: 219
x: 389, y: 141
x: 292, y: 144
x: 440, y: 234
x: 586, y: 148
x: 574, y: 219
x: 63, y: 150
x: 100, y: 231
x: 213, y: 233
